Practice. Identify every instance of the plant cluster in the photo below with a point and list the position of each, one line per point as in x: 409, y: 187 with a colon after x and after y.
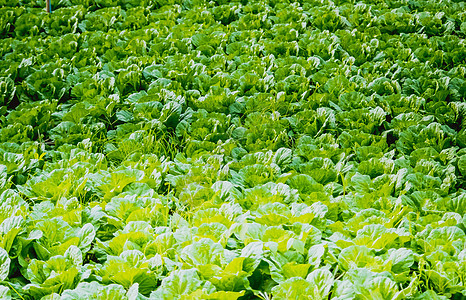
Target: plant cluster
x: 252, y: 149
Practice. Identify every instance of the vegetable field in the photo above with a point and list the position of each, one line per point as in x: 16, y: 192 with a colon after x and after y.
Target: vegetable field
x: 253, y: 149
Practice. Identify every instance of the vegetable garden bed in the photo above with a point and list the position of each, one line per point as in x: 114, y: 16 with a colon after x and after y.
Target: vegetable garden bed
x: 271, y: 149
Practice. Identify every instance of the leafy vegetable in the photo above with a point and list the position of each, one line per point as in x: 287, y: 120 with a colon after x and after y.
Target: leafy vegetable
x: 192, y: 149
